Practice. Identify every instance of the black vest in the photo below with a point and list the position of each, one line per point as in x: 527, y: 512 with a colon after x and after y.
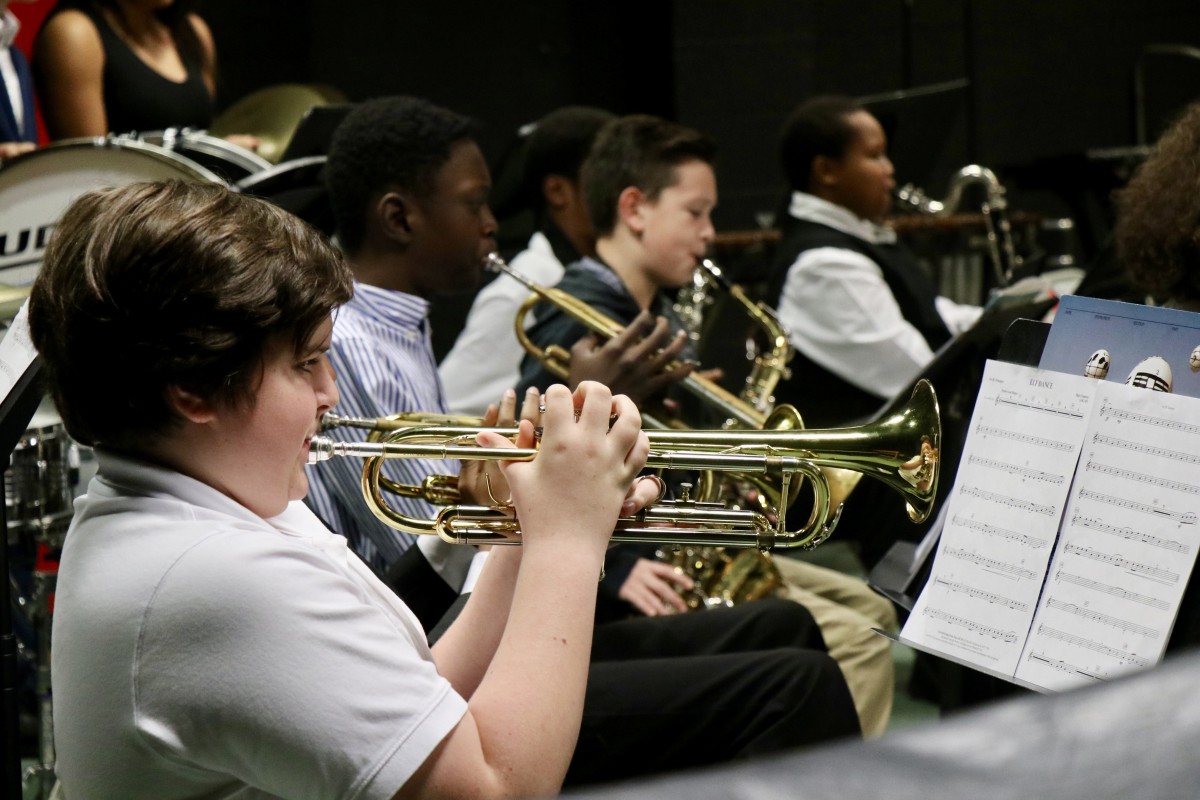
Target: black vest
x: 824, y: 399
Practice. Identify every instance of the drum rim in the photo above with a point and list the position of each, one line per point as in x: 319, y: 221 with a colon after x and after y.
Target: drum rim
x: 253, y: 180
x: 197, y: 172
x: 210, y: 145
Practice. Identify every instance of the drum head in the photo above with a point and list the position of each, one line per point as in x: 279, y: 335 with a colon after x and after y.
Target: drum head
x: 227, y: 160
x: 36, y: 188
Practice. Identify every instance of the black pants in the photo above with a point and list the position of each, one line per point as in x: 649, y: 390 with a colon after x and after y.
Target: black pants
x: 668, y: 693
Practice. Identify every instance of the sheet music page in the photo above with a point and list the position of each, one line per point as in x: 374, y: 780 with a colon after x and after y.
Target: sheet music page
x: 1003, y: 517
x: 1128, y: 542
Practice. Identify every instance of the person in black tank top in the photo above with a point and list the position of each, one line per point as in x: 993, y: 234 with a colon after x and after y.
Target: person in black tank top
x: 863, y: 315
x: 122, y: 66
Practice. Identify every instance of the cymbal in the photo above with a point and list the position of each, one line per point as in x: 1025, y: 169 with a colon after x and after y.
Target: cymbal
x: 272, y: 114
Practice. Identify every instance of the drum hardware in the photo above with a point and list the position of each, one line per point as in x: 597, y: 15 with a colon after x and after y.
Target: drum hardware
x: 226, y: 159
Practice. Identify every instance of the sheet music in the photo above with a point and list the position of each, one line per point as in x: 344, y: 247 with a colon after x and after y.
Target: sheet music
x: 1003, y: 518
x: 1127, y: 545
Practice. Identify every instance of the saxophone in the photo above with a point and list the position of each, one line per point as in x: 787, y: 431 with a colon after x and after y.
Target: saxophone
x: 1001, y: 251
x: 723, y: 576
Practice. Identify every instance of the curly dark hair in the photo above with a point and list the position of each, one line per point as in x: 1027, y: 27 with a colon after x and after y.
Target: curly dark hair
x: 1157, y: 233
x: 164, y: 284
x: 819, y: 126
x: 637, y: 150
x: 387, y: 143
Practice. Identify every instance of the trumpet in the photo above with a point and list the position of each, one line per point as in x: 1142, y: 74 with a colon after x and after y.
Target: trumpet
x: 902, y: 450
x: 556, y: 359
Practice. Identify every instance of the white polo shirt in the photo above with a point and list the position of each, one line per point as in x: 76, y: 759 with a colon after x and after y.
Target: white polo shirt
x: 200, y: 650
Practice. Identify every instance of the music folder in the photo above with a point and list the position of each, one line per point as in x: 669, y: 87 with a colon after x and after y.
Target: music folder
x: 1071, y: 531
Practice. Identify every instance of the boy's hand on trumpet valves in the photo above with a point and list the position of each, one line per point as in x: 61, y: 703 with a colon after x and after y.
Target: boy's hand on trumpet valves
x: 584, y: 475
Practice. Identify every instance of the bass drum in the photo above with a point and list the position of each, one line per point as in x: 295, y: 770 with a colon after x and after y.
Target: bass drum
x: 224, y: 158
x: 37, y: 187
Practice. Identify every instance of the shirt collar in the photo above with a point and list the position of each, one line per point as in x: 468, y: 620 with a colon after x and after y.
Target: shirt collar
x: 402, y: 310
x: 815, y: 209
x: 9, y: 26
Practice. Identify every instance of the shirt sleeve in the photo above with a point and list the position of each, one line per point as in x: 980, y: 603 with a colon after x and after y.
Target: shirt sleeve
x: 840, y: 312
x: 259, y: 660
x: 959, y: 317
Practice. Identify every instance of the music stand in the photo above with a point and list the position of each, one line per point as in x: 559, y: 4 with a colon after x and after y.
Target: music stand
x: 16, y: 411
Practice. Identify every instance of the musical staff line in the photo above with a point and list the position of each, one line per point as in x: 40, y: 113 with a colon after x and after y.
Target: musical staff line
x: 1010, y: 501
x: 1058, y: 412
x: 1108, y: 410
x: 980, y: 594
x: 1016, y: 469
x: 1141, y: 477
x: 1063, y: 666
x: 1130, y: 534
x: 1095, y: 647
x: 1115, y: 591
x: 1103, y: 619
x: 1182, y: 517
x: 1124, y: 563
x: 996, y: 530
x: 1025, y: 438
x: 1148, y: 449
x: 971, y: 625
x: 993, y: 563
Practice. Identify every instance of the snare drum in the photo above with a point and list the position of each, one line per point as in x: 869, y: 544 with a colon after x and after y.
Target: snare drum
x: 41, y: 480
x: 37, y: 187
x: 224, y: 158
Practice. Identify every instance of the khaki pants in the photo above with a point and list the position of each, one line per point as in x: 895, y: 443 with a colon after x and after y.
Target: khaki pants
x: 846, y: 610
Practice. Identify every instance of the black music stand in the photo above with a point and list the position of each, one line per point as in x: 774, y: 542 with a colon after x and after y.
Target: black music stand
x: 16, y: 411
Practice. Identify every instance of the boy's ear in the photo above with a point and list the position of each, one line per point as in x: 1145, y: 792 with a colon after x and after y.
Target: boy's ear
x: 189, y: 405
x: 558, y: 191
x: 395, y: 212
x: 629, y: 209
x: 824, y: 171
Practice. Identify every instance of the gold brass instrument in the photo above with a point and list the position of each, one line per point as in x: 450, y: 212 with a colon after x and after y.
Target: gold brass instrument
x: 902, y: 450
x: 556, y: 359
x: 1001, y: 250
x: 770, y: 364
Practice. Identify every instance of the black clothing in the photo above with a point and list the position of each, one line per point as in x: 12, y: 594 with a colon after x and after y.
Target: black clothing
x: 826, y: 399
x: 136, y: 98
x: 691, y: 690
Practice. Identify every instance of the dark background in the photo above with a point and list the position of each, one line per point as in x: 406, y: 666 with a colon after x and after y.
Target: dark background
x: 1047, y: 83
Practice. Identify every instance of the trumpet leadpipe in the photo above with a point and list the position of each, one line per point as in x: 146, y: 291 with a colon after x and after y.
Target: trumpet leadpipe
x: 322, y: 448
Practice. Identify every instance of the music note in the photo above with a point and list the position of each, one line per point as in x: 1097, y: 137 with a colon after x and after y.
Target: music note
x: 971, y: 625
x: 1115, y: 591
x: 1142, y: 477
x: 1012, y: 502
x: 980, y: 594
x: 1015, y: 469
x: 1025, y: 438
x: 1183, y: 517
x: 1147, y: 449
x: 1107, y: 409
x: 1103, y: 619
x: 996, y: 530
x: 991, y: 563
x: 1130, y: 534
x: 1123, y: 563
x: 1097, y: 647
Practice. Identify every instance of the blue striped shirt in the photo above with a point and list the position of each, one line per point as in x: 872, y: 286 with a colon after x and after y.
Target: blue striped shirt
x: 383, y: 358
